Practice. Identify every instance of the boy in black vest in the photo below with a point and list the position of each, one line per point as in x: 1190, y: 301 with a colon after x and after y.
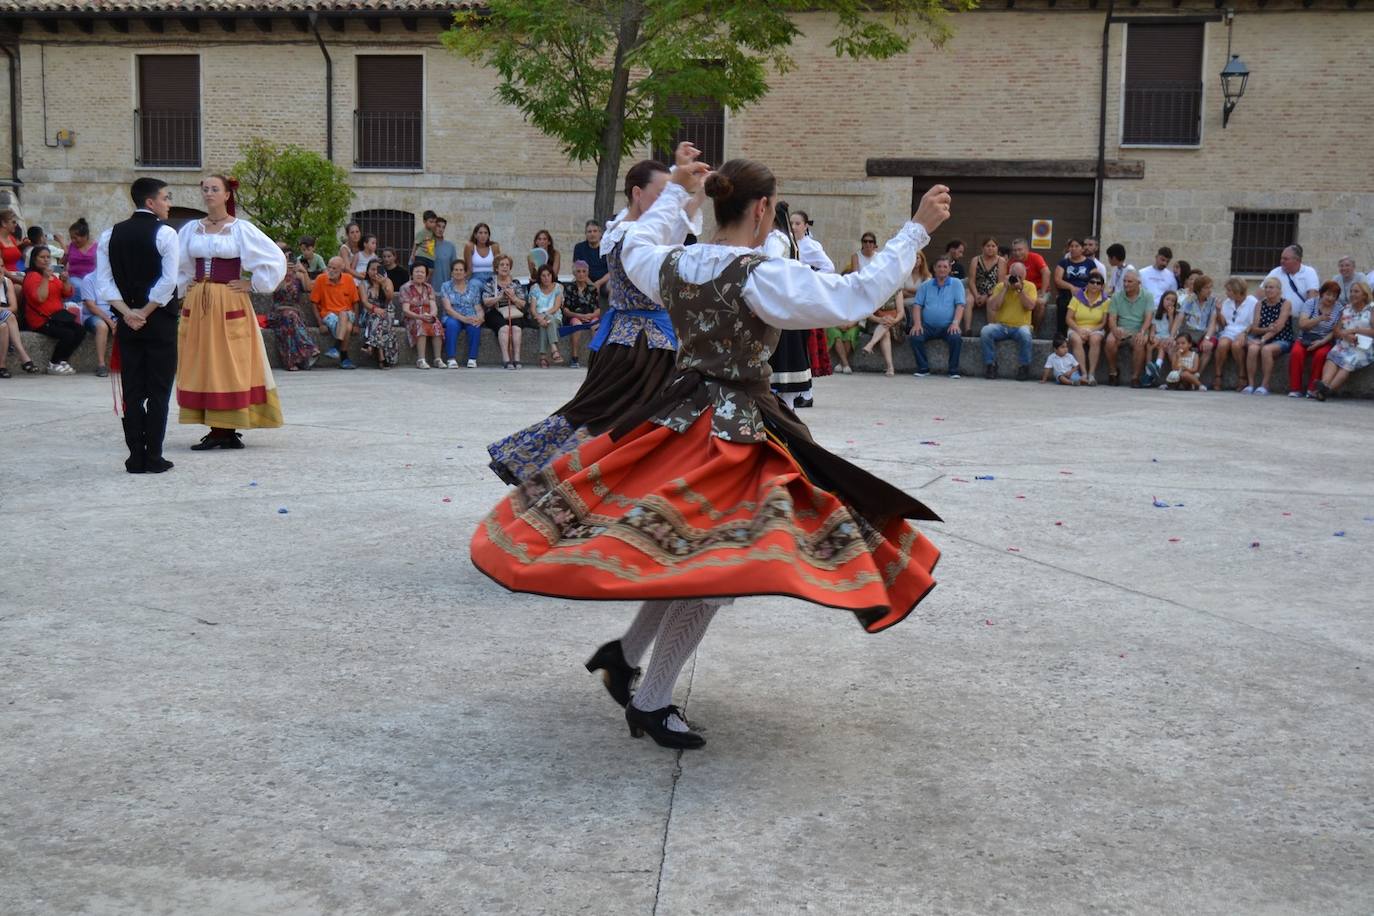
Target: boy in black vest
x: 136, y: 263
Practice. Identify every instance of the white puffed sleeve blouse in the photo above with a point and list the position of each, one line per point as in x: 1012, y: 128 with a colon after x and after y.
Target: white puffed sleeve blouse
x: 259, y: 255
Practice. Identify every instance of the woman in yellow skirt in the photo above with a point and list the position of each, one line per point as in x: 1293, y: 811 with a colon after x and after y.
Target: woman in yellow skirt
x: 223, y: 379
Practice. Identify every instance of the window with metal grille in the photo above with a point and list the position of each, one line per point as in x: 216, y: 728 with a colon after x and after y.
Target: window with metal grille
x: 1258, y: 238
x: 702, y: 121
x: 393, y: 228
x: 388, y: 125
x: 1162, y: 105
x: 167, y: 122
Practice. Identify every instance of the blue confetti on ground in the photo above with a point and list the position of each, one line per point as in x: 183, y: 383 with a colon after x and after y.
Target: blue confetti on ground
x: 1339, y: 534
x: 984, y: 477
x: 281, y: 511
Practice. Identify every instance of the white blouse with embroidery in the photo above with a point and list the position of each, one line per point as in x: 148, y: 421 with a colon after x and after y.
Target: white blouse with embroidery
x: 784, y: 293
x: 259, y: 255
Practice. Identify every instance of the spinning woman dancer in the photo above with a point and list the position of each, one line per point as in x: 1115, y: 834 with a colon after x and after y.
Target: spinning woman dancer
x: 714, y: 490
x: 634, y: 350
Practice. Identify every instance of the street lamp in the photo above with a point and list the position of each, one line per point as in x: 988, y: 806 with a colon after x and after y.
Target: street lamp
x: 1234, y: 76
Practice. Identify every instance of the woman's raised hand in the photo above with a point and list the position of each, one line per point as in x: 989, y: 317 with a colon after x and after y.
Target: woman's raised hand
x: 691, y: 176
x: 685, y: 154
x: 934, y: 208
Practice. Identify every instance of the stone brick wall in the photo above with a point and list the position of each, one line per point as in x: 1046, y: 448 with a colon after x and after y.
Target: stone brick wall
x: 1011, y: 84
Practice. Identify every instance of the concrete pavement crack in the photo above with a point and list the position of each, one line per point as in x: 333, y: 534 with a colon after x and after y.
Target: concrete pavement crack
x: 672, y: 792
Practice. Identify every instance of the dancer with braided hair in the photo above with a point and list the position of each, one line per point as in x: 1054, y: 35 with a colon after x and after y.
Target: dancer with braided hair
x: 714, y: 490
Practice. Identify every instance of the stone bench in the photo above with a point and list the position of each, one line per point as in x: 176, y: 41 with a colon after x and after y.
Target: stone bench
x: 1361, y: 385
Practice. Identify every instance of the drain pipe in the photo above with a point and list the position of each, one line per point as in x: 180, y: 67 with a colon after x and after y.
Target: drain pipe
x: 14, y: 115
x: 1102, y: 120
x: 328, y: 88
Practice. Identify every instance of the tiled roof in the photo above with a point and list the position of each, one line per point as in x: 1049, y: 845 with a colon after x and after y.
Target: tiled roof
x: 230, y: 7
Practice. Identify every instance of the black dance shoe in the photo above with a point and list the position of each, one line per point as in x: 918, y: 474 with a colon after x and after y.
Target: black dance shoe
x: 655, y: 724
x: 801, y: 403
x: 210, y: 440
x: 159, y: 465
x: 616, y: 673
x: 134, y: 467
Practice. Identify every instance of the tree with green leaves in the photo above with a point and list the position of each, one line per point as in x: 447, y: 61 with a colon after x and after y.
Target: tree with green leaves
x: 288, y: 191
x: 596, y: 74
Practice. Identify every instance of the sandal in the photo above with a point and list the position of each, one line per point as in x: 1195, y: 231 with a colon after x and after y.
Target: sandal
x: 543, y: 362
x: 30, y: 368
x: 1113, y: 379
x: 4, y: 373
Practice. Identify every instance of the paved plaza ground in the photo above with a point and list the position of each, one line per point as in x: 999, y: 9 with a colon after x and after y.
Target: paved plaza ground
x: 210, y: 707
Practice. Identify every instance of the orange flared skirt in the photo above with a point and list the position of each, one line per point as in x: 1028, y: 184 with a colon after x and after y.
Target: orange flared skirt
x: 223, y: 377
x: 660, y: 514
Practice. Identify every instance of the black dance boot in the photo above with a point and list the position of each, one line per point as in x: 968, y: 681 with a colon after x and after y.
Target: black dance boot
x: 655, y: 724
x: 616, y: 673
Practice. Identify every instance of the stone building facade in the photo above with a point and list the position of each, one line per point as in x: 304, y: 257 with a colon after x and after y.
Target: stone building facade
x: 1008, y: 113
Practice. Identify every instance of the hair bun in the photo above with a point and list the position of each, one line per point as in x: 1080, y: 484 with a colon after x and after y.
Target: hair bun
x: 718, y: 186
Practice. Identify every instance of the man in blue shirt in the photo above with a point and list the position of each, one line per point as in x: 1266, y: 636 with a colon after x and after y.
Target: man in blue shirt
x: 936, y: 315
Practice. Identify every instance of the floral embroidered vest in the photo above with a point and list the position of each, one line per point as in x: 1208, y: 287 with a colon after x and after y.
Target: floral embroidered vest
x: 721, y: 339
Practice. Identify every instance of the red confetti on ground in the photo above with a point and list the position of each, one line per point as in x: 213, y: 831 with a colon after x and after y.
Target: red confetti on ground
x: 958, y: 480
x: 1014, y: 549
x: 1067, y: 473
x: 987, y: 623
x: 1287, y: 515
x: 1059, y: 524
x: 407, y: 465
x: 1254, y: 543
x: 1122, y: 655
x: 448, y: 499
x: 1020, y: 497
x: 1174, y: 540
x: 938, y: 419
x: 880, y: 423
x: 849, y: 442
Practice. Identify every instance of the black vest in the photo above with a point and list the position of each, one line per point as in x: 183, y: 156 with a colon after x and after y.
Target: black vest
x: 134, y: 258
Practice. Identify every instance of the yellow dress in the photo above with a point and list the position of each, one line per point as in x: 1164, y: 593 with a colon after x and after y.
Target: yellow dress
x: 223, y: 378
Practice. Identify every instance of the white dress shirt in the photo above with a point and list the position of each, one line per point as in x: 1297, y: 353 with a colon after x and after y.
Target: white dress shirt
x: 162, y: 291
x: 814, y: 256
x: 1303, y: 286
x: 783, y: 293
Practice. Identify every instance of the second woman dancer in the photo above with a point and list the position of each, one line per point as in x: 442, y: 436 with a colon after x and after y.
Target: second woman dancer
x: 633, y: 352
x: 714, y: 490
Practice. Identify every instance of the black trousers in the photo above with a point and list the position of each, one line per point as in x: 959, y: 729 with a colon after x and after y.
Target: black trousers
x: 68, y: 333
x: 148, y: 369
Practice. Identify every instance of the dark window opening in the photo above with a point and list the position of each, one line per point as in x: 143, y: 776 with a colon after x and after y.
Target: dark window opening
x: 702, y: 121
x: 1258, y: 239
x: 167, y: 122
x: 1162, y: 105
x: 180, y: 216
x: 393, y: 228
x: 388, y: 125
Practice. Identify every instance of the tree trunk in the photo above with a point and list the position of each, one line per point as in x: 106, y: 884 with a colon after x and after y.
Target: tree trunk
x: 613, y: 134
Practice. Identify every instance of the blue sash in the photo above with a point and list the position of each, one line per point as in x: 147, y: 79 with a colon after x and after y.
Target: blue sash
x: 657, y: 316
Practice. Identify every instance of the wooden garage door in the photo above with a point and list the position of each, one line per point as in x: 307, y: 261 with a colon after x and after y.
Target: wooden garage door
x: 1005, y: 207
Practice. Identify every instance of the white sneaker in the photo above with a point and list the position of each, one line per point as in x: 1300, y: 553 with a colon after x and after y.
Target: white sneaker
x: 452, y: 364
x: 1295, y: 394
x: 1248, y: 389
x: 472, y: 364
x: 1261, y: 390
x: 1201, y: 387
x: 60, y: 369
x: 421, y: 364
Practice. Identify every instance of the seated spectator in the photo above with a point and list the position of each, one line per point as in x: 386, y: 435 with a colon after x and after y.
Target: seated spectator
x: 504, y: 300
x: 378, y: 321
x: 1183, y: 272
x: 1070, y: 275
x: 546, y: 308
x: 1128, y: 321
x: 445, y: 252
x: 336, y: 297
x: 1161, y: 336
x: 9, y: 331
x: 1185, y: 375
x: 1090, y: 252
x: 80, y: 257
x: 1345, y: 275
x: 581, y: 308
x: 295, y: 346
x: 1354, y: 347
x: 1158, y: 279
x: 352, y: 244
x: 954, y: 250
x: 986, y: 272
x: 12, y: 245
x: 937, y: 314
x: 96, y: 319
x: 887, y: 324
x: 843, y: 339
x: 1061, y: 365
x: 480, y: 252
x: 1299, y: 282
x: 1197, y: 311
x: 1087, y: 321
x: 1011, y: 308
x: 868, y: 250
x: 1037, y: 275
x: 1316, y: 334
x: 364, y: 257
x: 420, y: 310
x: 1270, y: 335
x: 393, y: 268
x: 1116, y: 257
x: 45, y: 311
x: 461, y: 302
x: 40, y: 239
x: 542, y: 251
x: 423, y: 250
x: 309, y: 258
x: 589, y: 252
x: 1234, y: 316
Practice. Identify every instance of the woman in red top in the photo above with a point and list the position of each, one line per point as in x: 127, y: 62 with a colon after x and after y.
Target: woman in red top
x: 44, y: 312
x: 12, y: 246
